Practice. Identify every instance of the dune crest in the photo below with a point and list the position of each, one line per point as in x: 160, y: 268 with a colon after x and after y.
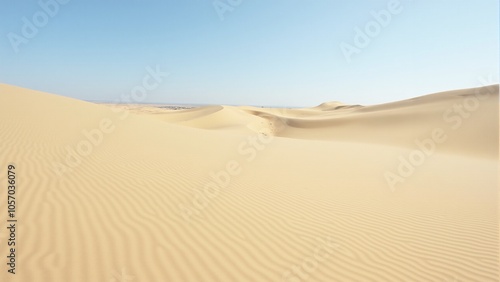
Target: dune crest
x: 395, y: 124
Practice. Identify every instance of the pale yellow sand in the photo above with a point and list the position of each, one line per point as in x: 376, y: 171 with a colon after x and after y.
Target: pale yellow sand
x: 302, y: 194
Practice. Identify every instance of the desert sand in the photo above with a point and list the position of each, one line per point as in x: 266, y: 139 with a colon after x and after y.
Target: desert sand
x: 404, y: 191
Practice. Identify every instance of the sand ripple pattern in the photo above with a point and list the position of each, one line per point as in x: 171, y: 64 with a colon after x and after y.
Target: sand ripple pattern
x: 116, y: 216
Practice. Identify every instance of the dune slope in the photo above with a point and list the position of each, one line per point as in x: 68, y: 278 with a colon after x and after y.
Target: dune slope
x: 405, y: 191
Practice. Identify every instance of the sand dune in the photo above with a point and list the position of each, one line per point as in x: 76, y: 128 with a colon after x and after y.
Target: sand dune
x: 405, y: 191
x: 394, y: 124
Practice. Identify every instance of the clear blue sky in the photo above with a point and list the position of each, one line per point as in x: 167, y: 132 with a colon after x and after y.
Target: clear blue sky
x: 280, y: 52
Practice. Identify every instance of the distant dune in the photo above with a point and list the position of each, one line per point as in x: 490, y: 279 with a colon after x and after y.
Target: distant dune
x: 404, y: 191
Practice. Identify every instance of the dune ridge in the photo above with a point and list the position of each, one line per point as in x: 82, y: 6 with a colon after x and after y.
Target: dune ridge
x: 159, y: 197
